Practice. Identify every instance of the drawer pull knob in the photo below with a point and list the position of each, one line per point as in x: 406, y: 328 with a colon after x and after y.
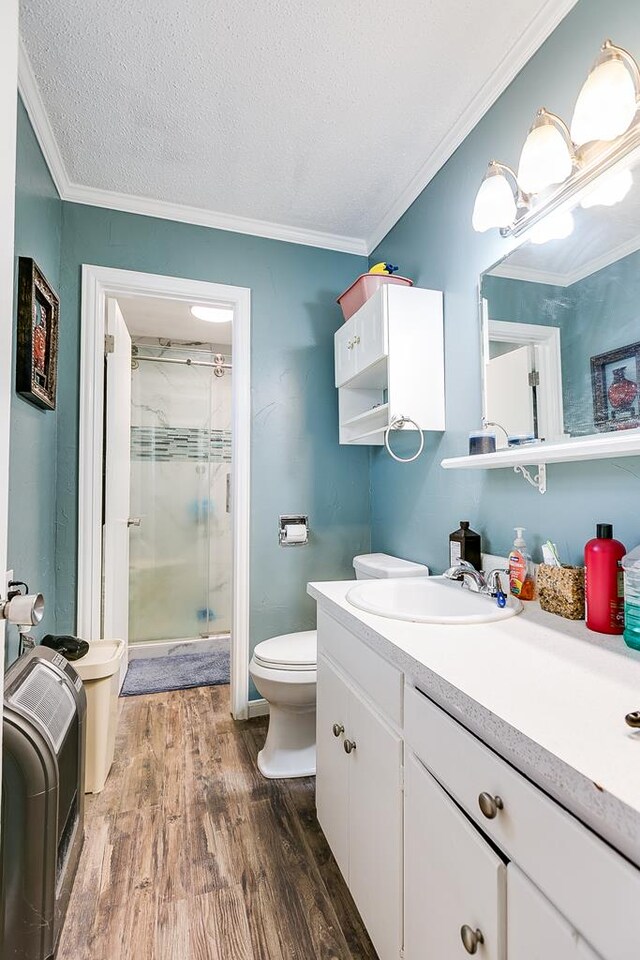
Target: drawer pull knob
x: 633, y: 719
x: 349, y: 745
x: 471, y: 938
x: 337, y: 728
x: 490, y: 805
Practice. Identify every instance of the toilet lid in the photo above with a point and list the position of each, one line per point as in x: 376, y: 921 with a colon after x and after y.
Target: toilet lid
x: 291, y: 651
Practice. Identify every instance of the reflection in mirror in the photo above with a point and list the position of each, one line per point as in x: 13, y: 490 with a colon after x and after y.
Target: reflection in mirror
x: 561, y: 326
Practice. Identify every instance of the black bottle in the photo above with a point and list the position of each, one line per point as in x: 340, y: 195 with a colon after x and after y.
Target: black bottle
x: 465, y: 544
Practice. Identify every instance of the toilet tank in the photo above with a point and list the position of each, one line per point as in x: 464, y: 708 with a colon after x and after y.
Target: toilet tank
x: 378, y: 566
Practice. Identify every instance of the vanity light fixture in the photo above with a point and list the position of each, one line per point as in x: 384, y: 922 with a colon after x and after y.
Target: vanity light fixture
x: 547, y: 156
x: 496, y: 202
x: 212, y: 314
x: 610, y: 189
x: 556, y: 226
x: 556, y: 163
x: 608, y: 101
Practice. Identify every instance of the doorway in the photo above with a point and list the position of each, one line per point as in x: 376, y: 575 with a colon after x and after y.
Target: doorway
x: 164, y: 457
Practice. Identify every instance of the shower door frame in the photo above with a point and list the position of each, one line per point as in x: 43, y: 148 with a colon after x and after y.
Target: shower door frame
x: 99, y: 283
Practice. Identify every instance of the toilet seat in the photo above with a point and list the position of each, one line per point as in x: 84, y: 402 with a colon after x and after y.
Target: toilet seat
x: 291, y: 651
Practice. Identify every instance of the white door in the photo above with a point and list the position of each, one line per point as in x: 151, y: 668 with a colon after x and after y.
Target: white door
x: 536, y: 931
x: 344, y: 347
x: 332, y: 771
x: 115, y: 615
x: 455, y: 883
x: 509, y: 396
x: 375, y: 827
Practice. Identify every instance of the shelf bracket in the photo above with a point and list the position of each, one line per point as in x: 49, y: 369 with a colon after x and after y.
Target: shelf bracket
x: 540, y: 479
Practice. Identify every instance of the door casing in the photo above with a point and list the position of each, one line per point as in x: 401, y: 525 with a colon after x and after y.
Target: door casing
x: 99, y: 283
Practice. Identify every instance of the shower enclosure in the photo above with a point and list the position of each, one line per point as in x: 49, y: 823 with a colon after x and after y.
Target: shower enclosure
x: 181, y: 538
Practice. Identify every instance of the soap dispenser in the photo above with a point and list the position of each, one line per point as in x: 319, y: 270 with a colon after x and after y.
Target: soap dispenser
x: 521, y: 580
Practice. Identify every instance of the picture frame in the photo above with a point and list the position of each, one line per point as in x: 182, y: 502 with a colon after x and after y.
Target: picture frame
x: 615, y: 384
x: 37, y: 341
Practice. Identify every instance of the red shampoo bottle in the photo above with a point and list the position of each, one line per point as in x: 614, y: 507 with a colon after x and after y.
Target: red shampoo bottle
x: 604, y: 589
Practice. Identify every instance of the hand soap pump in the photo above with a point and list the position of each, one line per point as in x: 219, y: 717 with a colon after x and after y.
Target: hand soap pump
x: 521, y: 582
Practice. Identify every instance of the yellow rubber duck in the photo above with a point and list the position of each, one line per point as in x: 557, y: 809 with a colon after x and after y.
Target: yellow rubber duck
x: 383, y: 267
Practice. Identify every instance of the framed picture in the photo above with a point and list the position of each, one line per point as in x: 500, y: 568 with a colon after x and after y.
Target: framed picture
x: 37, y: 348
x: 615, y: 383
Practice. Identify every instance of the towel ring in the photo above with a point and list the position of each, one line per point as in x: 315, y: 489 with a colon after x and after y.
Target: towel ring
x: 396, y: 424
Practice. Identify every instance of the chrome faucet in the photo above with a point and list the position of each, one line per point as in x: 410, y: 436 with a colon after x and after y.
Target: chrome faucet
x: 468, y: 575
x: 476, y: 581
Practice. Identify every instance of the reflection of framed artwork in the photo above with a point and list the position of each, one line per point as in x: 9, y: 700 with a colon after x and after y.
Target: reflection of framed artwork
x: 37, y: 349
x: 615, y: 382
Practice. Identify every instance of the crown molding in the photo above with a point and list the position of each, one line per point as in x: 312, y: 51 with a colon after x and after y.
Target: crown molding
x: 148, y: 207
x: 34, y: 105
x: 543, y: 24
x: 582, y: 271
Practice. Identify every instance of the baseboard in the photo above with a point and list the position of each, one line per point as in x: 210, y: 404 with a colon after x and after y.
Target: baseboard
x: 258, y: 708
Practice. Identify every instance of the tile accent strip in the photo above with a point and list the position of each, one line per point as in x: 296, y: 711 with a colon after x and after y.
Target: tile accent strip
x: 180, y: 444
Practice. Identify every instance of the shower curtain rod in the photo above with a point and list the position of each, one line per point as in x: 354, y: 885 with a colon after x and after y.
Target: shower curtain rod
x: 189, y: 362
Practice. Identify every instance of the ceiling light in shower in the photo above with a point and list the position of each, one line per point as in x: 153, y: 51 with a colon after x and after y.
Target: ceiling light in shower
x: 212, y: 314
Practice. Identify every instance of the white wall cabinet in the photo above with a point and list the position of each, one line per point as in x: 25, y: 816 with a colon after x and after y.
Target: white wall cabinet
x: 359, y: 801
x: 455, y: 882
x: 389, y: 362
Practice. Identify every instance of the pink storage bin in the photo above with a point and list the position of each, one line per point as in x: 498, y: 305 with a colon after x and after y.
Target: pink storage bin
x: 363, y: 288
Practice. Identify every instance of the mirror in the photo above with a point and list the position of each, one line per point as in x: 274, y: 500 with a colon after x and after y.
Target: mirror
x: 561, y: 321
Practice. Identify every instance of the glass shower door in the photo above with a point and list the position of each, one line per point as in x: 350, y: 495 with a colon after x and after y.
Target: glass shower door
x: 180, y: 554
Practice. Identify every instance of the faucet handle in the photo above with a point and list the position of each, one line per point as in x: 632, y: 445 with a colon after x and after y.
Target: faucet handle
x: 494, y: 585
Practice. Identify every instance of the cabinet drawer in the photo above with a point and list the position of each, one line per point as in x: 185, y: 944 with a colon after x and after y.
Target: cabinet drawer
x: 381, y: 682
x: 594, y: 887
x: 536, y: 931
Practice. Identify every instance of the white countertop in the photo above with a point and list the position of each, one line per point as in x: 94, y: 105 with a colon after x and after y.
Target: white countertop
x: 547, y: 694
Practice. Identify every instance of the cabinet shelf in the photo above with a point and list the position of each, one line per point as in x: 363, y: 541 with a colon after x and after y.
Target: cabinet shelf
x: 364, y: 418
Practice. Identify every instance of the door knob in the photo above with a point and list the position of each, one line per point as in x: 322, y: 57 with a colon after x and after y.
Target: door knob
x: 490, y: 805
x: 134, y: 521
x: 633, y: 719
x: 337, y: 728
x: 471, y: 938
x: 349, y: 745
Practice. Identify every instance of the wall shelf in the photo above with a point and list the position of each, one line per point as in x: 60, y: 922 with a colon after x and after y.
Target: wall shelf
x: 599, y: 446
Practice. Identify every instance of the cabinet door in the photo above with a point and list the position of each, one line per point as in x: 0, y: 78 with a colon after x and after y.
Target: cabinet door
x: 453, y: 877
x: 536, y: 931
x: 375, y: 826
x: 371, y: 341
x: 332, y: 768
x: 344, y: 344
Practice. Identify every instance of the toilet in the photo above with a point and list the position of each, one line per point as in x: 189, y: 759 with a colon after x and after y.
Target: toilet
x: 284, y: 671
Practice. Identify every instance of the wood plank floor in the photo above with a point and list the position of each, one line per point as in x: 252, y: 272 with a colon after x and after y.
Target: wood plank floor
x: 191, y: 854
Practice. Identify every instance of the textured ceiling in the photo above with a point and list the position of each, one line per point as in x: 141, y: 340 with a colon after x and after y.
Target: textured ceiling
x: 170, y: 319
x: 318, y: 116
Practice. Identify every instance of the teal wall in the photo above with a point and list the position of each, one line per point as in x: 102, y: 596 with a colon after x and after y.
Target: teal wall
x: 297, y: 464
x: 32, y: 476
x: 415, y: 507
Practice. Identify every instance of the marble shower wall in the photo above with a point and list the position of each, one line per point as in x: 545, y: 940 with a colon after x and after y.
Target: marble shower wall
x: 180, y: 555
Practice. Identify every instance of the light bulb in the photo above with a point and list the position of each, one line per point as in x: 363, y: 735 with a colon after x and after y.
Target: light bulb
x: 608, y: 100
x: 495, y: 204
x: 556, y: 226
x: 609, y: 189
x: 213, y: 314
x: 546, y: 157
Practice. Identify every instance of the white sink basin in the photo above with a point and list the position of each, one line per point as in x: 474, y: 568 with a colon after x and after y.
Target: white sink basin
x: 429, y: 600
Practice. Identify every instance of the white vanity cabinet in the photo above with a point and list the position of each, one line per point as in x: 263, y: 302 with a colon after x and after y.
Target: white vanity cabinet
x: 455, y: 882
x: 359, y: 796
x: 389, y: 362
x: 447, y: 848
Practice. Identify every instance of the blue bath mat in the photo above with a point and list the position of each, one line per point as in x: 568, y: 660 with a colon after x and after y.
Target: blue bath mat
x: 158, y: 674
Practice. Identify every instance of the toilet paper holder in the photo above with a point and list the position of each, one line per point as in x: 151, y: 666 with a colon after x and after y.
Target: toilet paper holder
x: 293, y: 530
